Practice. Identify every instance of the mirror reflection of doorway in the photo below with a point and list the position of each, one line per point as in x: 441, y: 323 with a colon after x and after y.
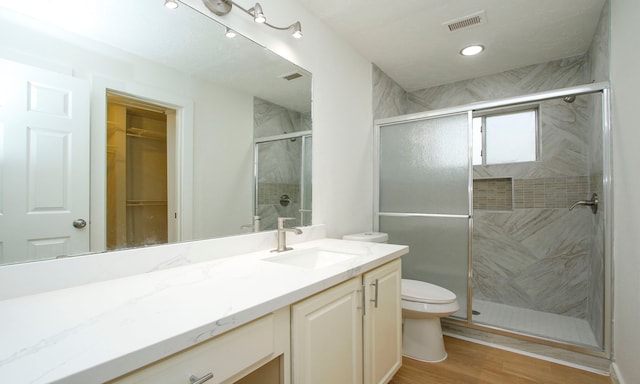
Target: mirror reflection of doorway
x: 139, y: 135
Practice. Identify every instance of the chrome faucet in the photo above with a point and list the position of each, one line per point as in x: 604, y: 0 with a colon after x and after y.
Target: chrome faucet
x: 282, y: 234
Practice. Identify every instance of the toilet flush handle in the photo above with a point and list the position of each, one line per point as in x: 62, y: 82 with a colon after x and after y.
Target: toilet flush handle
x: 375, y: 298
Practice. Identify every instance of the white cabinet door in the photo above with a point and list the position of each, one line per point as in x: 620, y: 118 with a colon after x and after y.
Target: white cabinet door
x: 44, y: 163
x: 382, y: 323
x: 327, y: 336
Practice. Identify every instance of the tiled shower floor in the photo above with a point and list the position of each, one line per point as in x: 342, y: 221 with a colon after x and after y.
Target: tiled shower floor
x: 548, y: 325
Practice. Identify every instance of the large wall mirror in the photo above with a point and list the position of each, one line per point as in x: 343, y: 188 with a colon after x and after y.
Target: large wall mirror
x: 124, y: 124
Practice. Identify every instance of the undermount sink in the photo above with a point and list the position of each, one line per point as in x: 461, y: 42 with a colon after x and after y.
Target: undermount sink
x: 314, y: 258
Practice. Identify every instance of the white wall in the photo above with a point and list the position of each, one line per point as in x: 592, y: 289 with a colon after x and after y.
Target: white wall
x: 342, y: 111
x: 223, y: 145
x: 625, y: 80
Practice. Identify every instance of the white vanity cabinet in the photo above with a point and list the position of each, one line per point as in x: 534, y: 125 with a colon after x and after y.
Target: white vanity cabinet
x: 350, y: 333
x: 227, y: 358
x: 326, y: 335
x: 383, y: 323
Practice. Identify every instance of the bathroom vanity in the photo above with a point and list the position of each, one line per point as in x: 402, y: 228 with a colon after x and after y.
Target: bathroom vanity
x: 360, y: 321
x: 258, y: 317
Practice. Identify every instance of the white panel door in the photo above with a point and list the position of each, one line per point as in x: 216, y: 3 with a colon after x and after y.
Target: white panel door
x: 44, y: 164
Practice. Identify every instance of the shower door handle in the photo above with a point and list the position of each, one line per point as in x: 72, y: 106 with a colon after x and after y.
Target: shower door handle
x: 593, y: 203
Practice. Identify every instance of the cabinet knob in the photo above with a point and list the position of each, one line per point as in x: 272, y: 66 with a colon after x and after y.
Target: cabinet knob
x: 199, y: 380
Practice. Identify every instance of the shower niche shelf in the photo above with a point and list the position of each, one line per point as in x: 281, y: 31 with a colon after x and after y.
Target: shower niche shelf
x: 493, y: 194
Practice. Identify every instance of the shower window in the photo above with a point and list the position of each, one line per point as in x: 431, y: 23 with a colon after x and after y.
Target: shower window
x: 505, y: 136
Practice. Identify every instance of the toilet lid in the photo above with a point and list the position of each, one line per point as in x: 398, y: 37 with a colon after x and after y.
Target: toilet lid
x: 423, y: 292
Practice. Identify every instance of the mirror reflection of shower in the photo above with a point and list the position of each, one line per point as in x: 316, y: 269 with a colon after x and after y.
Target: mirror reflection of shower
x: 282, y: 165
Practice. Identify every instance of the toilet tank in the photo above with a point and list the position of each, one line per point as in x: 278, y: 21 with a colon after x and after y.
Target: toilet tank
x: 372, y: 237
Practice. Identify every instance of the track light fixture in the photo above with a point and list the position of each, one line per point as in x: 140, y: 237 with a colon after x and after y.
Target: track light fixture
x: 258, y: 15
x: 223, y: 7
x: 297, y: 30
x: 230, y: 33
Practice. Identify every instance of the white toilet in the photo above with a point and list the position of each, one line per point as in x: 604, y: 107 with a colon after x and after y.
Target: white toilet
x: 423, y: 305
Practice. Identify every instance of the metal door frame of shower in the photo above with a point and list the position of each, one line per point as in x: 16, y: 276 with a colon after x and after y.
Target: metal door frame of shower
x: 286, y: 136
x: 603, y: 88
x: 304, y: 209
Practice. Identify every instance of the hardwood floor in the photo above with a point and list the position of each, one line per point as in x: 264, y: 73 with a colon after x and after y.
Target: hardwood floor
x: 472, y: 363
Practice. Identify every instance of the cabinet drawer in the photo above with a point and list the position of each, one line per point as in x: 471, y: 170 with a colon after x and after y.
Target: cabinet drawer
x: 225, y: 356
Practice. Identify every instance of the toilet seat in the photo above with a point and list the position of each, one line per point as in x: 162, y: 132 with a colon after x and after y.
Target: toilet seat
x: 422, y: 292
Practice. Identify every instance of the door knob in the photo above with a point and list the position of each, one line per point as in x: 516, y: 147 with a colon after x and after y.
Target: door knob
x: 79, y: 223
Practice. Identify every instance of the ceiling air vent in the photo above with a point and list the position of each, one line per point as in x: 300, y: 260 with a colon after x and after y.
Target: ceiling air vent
x: 291, y: 76
x: 466, y: 22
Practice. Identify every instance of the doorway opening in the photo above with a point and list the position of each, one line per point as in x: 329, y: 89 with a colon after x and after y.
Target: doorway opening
x: 140, y: 176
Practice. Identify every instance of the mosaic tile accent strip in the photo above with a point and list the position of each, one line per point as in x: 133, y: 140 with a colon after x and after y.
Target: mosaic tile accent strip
x: 556, y: 192
x: 493, y: 194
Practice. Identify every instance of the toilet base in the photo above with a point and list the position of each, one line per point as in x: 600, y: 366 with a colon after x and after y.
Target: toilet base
x: 422, y: 340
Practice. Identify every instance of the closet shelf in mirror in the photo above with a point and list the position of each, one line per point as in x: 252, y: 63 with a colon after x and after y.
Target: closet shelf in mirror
x: 146, y: 134
x: 146, y: 203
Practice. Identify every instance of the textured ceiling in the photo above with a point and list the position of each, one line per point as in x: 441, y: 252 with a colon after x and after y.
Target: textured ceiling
x: 408, y: 41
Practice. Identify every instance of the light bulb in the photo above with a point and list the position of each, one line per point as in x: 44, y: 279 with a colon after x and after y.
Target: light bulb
x: 171, y: 4
x: 297, y: 30
x: 230, y: 33
x: 258, y: 15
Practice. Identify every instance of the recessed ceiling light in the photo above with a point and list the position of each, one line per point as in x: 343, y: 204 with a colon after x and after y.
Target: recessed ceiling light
x: 472, y: 50
x: 171, y: 4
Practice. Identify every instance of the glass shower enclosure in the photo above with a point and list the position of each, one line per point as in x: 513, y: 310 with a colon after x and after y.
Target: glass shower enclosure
x: 522, y: 237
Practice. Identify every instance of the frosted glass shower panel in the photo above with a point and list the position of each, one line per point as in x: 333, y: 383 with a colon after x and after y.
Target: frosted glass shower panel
x: 438, y: 251
x: 424, y: 166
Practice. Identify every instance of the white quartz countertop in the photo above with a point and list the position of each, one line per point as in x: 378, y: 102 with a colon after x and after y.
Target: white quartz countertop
x: 96, y: 332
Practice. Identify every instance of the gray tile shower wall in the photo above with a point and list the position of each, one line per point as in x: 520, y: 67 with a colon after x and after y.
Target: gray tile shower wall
x: 522, y: 81
x: 533, y: 258
x: 389, y: 99
x: 271, y: 119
